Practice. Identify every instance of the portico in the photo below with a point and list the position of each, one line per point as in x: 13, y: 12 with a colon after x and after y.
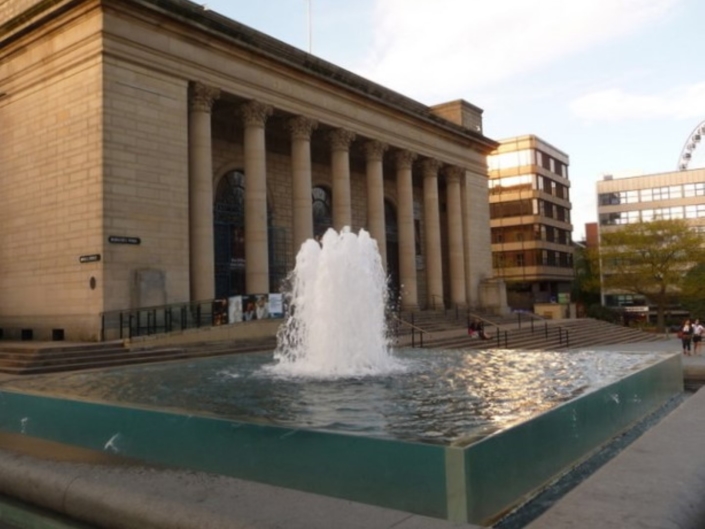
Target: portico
x: 349, y: 182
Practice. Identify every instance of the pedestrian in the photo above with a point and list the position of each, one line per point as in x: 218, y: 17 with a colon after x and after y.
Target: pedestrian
x: 686, y: 335
x: 698, y: 330
x: 473, y: 328
x: 481, y: 331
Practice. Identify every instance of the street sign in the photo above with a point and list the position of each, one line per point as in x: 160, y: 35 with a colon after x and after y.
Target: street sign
x: 115, y: 239
x: 89, y: 258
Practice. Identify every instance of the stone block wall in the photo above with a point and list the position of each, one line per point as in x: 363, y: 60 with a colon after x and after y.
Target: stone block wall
x: 145, y: 183
x: 50, y: 207
x: 10, y: 9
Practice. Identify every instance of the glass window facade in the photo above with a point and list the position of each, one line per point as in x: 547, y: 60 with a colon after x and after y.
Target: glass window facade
x: 511, y: 159
x: 652, y: 194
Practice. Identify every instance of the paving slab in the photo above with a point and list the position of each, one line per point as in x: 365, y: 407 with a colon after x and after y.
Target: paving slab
x: 655, y: 483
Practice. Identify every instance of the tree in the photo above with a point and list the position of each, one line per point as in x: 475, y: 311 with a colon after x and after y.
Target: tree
x: 586, y: 284
x: 650, y: 259
x: 693, y: 291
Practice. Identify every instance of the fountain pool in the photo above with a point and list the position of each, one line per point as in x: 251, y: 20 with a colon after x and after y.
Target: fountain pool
x: 461, y: 435
x: 447, y: 397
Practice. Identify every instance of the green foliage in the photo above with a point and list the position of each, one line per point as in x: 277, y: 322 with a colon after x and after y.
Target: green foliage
x: 599, y: 312
x: 586, y: 284
x: 692, y: 296
x: 650, y: 259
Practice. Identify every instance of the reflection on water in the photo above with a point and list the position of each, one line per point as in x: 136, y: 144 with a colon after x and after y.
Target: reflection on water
x: 443, y: 396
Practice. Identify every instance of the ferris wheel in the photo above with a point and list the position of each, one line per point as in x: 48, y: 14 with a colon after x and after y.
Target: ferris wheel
x: 690, y: 144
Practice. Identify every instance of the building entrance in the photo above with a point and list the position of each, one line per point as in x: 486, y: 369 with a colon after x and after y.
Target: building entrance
x: 229, y: 235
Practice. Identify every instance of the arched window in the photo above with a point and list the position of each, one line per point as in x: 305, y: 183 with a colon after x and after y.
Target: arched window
x: 392, y: 244
x: 229, y: 235
x: 322, y: 210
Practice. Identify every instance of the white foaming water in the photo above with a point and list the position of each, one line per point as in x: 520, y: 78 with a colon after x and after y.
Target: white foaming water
x: 336, y: 327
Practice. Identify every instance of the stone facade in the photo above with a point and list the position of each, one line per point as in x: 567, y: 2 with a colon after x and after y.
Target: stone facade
x: 13, y: 9
x: 103, y: 136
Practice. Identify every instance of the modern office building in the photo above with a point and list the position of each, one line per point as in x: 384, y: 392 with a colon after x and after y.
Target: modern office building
x: 156, y: 152
x: 530, y: 207
x: 671, y: 195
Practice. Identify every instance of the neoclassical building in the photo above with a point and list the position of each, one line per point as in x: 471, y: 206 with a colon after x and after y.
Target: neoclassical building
x: 156, y: 152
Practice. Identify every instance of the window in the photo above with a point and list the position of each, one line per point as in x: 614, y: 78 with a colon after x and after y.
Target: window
x: 631, y: 197
x: 510, y: 184
x: 546, y: 161
x: 630, y: 217
x: 610, y: 219
x: 660, y: 193
x: 694, y: 190
x: 550, y: 234
x: 322, y: 208
x: 609, y: 199
x: 510, y: 159
x: 695, y: 212
x: 548, y: 185
x: 675, y: 191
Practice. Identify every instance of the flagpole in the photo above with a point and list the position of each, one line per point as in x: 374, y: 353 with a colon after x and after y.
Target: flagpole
x: 310, y: 35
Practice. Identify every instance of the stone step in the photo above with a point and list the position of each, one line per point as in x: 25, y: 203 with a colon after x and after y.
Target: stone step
x: 24, y: 360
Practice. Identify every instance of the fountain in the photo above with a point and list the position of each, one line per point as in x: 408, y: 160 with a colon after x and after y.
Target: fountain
x: 336, y: 411
x: 336, y: 326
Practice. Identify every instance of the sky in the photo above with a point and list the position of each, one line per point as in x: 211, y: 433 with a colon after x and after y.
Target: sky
x: 618, y: 85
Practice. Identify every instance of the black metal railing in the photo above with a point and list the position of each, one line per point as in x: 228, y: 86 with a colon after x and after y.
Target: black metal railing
x: 541, y: 324
x: 128, y: 323
x: 417, y: 333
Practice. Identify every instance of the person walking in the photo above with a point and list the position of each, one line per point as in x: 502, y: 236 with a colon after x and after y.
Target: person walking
x: 698, y: 330
x: 686, y: 335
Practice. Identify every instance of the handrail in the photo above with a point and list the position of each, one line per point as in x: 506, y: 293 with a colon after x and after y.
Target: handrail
x: 561, y: 328
x: 433, y: 302
x: 414, y: 329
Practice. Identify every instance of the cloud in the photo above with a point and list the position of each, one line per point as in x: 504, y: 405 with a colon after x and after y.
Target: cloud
x: 444, y: 48
x: 683, y: 102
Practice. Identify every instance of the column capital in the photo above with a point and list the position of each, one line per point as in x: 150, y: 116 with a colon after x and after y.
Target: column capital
x: 302, y: 127
x: 374, y: 150
x: 255, y: 113
x: 404, y: 159
x: 430, y: 167
x: 453, y: 173
x: 202, y: 96
x: 340, y: 139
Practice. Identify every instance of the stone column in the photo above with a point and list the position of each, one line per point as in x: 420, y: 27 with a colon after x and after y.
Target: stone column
x: 432, y: 232
x: 374, y: 152
x: 301, y: 201
x: 407, y: 239
x: 201, y: 252
x: 456, y: 251
x: 340, y: 140
x: 255, y: 115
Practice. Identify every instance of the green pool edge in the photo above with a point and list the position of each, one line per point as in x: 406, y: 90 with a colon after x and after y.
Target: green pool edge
x: 472, y: 484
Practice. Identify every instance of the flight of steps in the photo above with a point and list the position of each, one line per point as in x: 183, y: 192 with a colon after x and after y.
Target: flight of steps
x: 26, y: 359
x: 446, y: 330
